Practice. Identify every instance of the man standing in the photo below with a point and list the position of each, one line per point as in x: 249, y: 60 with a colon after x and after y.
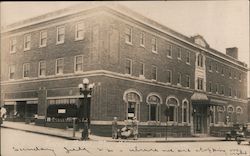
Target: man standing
x: 114, y: 129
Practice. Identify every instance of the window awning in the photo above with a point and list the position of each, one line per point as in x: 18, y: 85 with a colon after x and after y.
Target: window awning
x: 199, y: 97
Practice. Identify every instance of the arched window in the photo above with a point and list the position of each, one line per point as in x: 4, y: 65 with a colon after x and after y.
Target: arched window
x: 220, y: 110
x: 132, y: 99
x: 239, y: 111
x: 172, y: 105
x: 200, y: 60
x: 230, y: 111
x: 154, y: 102
x: 185, y: 111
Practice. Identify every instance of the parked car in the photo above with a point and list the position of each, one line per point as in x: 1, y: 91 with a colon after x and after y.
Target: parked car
x: 234, y: 132
x: 245, y: 136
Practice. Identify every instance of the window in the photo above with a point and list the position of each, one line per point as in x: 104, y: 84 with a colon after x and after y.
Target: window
x: 154, y: 73
x: 239, y: 94
x: 13, y: 45
x: 78, y: 63
x: 239, y: 110
x: 172, y: 105
x: 26, y: 70
x: 43, y: 38
x: 169, y: 50
x: 240, y: 76
x: 212, y: 114
x: 210, y: 86
x: 60, y: 35
x: 42, y: 68
x: 230, y: 73
x: 187, y: 81
x: 27, y: 40
x: 128, y: 35
x: 128, y: 66
x: 200, y: 84
x: 79, y: 31
x: 222, y: 90
x: 222, y: 70
x: 179, y: 53
x: 200, y: 60
x: 179, y: 78
x: 133, y: 100
x: 11, y: 72
x: 216, y: 67
x: 230, y: 91
x: 59, y: 66
x: 142, y: 39
x: 154, y: 45
x: 210, y: 66
x: 220, y: 110
x: 185, y: 110
x: 141, y: 72
x: 169, y: 76
x: 154, y: 106
x: 188, y: 57
x: 235, y: 93
x: 216, y: 88
x: 230, y: 109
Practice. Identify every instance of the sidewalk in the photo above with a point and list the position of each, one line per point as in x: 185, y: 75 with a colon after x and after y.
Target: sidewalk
x: 68, y: 134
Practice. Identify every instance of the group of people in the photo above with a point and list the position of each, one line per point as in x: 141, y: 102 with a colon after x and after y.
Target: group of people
x: 130, y: 130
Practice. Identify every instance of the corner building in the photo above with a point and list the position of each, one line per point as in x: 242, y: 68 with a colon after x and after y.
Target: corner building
x: 140, y: 68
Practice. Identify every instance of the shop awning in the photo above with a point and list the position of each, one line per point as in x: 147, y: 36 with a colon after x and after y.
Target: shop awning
x: 199, y: 98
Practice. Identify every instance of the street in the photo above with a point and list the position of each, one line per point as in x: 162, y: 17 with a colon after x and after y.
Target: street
x: 21, y: 143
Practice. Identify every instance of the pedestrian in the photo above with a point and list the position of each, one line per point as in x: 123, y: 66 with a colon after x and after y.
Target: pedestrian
x: 135, y: 128
x: 3, y: 113
x: 114, y: 128
x: 85, y: 132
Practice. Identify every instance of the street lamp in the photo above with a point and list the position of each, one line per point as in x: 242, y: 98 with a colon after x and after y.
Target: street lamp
x: 85, y: 90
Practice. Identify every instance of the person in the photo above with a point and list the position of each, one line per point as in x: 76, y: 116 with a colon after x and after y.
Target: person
x: 3, y: 113
x: 85, y: 132
x: 114, y: 128
x: 135, y: 128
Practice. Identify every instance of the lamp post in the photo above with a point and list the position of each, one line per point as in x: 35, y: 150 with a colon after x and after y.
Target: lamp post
x: 85, y: 90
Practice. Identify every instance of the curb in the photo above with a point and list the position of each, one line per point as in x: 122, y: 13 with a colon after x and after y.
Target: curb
x: 131, y: 141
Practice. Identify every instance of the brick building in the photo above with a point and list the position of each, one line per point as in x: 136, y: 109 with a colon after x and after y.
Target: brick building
x: 140, y: 68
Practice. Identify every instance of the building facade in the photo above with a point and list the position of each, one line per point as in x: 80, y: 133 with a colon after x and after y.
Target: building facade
x: 139, y: 68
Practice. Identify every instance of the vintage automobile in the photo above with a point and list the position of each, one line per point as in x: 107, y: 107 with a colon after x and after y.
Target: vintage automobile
x: 245, y: 136
x: 234, y: 132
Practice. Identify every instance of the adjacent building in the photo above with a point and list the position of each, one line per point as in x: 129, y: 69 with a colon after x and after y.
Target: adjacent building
x: 139, y: 68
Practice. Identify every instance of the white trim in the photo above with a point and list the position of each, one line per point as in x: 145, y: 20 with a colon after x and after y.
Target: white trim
x: 57, y: 31
x: 131, y: 90
x: 174, y: 97
x: 154, y: 94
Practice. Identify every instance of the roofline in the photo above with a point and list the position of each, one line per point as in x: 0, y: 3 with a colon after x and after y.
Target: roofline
x: 124, y: 11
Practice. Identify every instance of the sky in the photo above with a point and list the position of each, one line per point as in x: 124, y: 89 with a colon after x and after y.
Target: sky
x: 223, y: 24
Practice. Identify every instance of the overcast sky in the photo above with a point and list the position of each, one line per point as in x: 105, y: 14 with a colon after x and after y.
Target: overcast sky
x: 222, y: 23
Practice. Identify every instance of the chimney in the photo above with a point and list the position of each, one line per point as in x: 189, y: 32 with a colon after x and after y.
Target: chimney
x: 233, y: 52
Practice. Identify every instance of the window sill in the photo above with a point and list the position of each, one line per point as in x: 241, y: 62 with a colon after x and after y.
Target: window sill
x: 141, y: 45
x: 58, y: 43
x: 26, y: 49
x: 188, y: 63
x: 58, y: 74
x: 179, y: 85
x: 210, y: 71
x: 79, y: 39
x: 128, y: 43
x: 170, y: 57
x: 155, y: 52
x: 141, y: 76
x: 42, y: 76
x: 179, y: 59
x: 42, y: 46
x: 12, y: 52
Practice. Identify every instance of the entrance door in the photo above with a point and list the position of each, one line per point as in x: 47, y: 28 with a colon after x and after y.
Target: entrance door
x: 200, y: 119
x: 198, y: 123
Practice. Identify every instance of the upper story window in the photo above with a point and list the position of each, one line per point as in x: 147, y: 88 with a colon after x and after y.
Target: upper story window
x: 222, y: 70
x: 216, y: 67
x: 210, y: 86
x: 188, y: 81
x: 78, y: 63
x: 179, y: 78
x: 60, y: 37
x: 188, y: 57
x: 240, y: 76
x: 169, y: 50
x: 154, y: 73
x: 154, y: 45
x: 210, y: 66
x: 200, y: 60
x: 59, y: 66
x: 216, y: 88
x: 179, y: 53
x: 141, y: 72
x: 230, y: 91
x: 200, y: 84
x: 169, y: 76
x: 128, y: 35
x: 27, y: 41
x: 12, y: 72
x: 128, y: 66
x: 142, y: 39
x: 222, y: 90
x: 230, y: 73
x: 26, y: 70
x: 43, y: 38
x: 79, y: 31
x: 42, y: 68
x: 13, y: 45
